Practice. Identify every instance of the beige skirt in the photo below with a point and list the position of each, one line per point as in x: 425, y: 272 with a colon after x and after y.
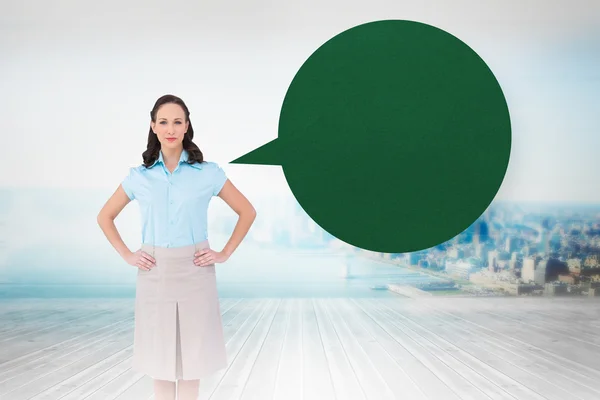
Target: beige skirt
x: 178, y: 326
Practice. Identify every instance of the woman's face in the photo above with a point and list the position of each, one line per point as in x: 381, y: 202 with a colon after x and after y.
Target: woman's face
x: 170, y: 126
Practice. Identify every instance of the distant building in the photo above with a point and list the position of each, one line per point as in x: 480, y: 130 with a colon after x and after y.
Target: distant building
x: 481, y: 233
x: 482, y: 251
x: 459, y: 268
x: 592, y: 261
x: 412, y: 259
x: 570, y: 279
x: 511, y: 244
x: 540, y: 272
x: 492, y: 260
x: 543, y: 245
x: 456, y: 253
x: 528, y: 270
x: 574, y: 265
x: 554, y: 289
x: 527, y: 289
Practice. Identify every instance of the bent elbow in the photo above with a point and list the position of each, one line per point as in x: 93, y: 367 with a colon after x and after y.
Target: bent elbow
x: 102, y: 218
x: 248, y: 213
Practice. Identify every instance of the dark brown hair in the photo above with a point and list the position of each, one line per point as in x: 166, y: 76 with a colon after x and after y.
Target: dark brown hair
x: 153, y: 148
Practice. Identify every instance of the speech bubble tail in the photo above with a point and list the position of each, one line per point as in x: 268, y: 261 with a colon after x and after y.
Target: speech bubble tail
x: 267, y: 154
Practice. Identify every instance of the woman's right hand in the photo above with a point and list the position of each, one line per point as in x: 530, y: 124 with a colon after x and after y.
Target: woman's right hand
x: 141, y: 259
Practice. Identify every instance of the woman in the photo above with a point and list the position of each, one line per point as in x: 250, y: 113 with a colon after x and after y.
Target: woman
x: 178, y: 330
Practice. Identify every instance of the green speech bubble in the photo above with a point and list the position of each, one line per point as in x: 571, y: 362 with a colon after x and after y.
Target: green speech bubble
x: 394, y: 136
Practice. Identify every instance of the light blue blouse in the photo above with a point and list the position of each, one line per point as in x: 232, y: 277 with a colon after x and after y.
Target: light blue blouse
x: 174, y: 206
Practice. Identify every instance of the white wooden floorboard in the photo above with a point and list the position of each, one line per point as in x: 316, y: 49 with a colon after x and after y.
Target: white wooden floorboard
x: 141, y: 389
x: 565, y: 352
x: 232, y: 385
x: 547, y: 375
x: 236, y: 335
x: 37, y: 339
x: 289, y: 371
x: 449, y: 375
x: 364, y: 364
x: 576, y: 379
x: 32, y: 359
x: 103, y: 377
x: 32, y: 371
x: 15, y: 320
x: 467, y: 361
x: 114, y: 388
x: 48, y: 324
x: 317, y: 382
x: 63, y: 388
x: 557, y: 323
x: 415, y: 372
x: 355, y: 349
x: 383, y: 357
x: 408, y: 368
x: 586, y: 331
x: 65, y: 367
x: 36, y: 311
x: 261, y: 381
x: 344, y: 380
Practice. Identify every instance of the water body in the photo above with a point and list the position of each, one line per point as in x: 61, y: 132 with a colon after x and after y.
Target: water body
x: 257, y: 272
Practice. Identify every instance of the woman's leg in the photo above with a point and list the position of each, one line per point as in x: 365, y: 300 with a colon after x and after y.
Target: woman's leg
x: 164, y: 390
x: 188, y: 390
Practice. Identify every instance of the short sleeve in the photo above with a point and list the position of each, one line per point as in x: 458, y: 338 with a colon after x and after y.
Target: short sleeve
x: 128, y: 184
x: 219, y: 179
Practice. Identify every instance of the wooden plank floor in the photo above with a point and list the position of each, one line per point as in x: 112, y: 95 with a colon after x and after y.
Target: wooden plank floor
x: 292, y: 349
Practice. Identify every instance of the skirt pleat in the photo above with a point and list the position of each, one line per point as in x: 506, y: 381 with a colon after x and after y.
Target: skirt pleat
x: 178, y: 325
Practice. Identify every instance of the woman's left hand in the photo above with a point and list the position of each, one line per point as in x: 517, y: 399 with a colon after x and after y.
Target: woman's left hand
x: 207, y: 257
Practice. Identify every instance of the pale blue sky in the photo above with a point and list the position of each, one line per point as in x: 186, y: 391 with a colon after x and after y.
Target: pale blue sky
x: 557, y: 124
x: 85, y: 77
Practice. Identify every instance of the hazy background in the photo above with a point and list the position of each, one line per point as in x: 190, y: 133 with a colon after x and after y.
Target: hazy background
x: 79, y: 81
